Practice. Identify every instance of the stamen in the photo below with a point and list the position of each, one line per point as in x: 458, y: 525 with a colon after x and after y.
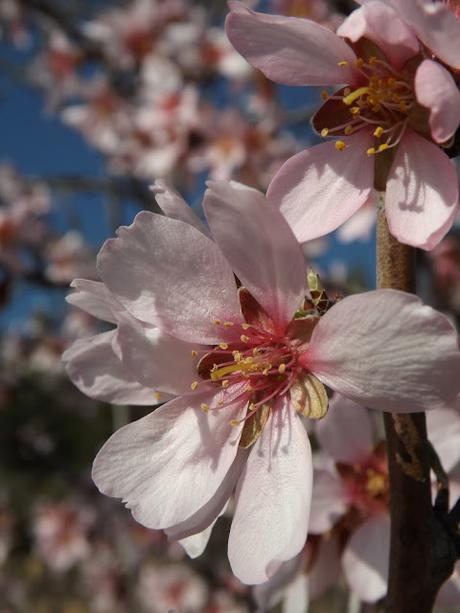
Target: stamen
x: 378, y: 131
x: 324, y: 132
x: 244, y: 338
x: 217, y: 322
x: 204, y: 407
x: 228, y: 324
x: 342, y: 63
x: 194, y: 353
x: 194, y: 385
x: 223, y: 345
x: 356, y: 94
x: 340, y: 145
x: 371, y: 151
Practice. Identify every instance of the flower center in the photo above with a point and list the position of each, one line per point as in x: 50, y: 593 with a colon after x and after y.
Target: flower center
x: 382, y: 103
x: 367, y: 482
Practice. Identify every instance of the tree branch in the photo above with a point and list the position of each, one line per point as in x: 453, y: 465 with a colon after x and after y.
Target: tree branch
x: 422, y: 551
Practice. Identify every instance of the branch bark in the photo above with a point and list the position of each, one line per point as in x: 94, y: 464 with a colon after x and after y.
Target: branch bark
x: 422, y: 551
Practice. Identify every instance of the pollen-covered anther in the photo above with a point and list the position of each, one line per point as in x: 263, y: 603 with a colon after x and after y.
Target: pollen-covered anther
x: 245, y: 326
x: 324, y: 95
x: 194, y: 385
x: 223, y: 346
x: 348, y: 130
x: 340, y: 145
x: 342, y: 63
x: 378, y: 131
x: 371, y: 151
x: 217, y: 322
x: 244, y: 338
x: 204, y: 407
x: 324, y: 131
x: 228, y: 324
x: 282, y: 369
x: 194, y: 353
x: 225, y: 383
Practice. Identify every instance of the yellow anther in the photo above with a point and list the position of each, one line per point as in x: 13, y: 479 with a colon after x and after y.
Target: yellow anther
x: 234, y: 422
x: 359, y: 62
x: 236, y: 356
x: 245, y: 326
x: 382, y: 147
x: 378, y: 131
x: 223, y: 346
x: 228, y: 324
x: 371, y: 151
x: 324, y: 132
x: 157, y: 396
x: 217, y: 322
x: 244, y: 338
x: 355, y: 110
x: 282, y: 369
x: 194, y: 353
x: 354, y: 95
x: 342, y: 63
x: 225, y: 383
x: 204, y: 407
x: 340, y: 145
x: 348, y: 130
x: 324, y: 95
x: 373, y: 60
x: 194, y: 385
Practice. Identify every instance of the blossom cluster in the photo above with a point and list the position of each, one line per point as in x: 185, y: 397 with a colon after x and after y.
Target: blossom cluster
x: 258, y: 448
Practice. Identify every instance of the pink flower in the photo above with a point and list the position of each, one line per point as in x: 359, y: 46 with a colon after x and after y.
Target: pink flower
x: 395, y: 110
x: 246, y: 363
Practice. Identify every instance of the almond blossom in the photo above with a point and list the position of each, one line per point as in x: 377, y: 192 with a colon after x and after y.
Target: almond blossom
x: 228, y: 326
x: 387, y: 122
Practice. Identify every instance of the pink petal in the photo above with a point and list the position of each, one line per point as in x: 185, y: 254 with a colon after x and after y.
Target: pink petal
x: 346, y: 431
x: 158, y: 360
x: 436, y: 89
x: 260, y: 247
x: 288, y: 49
x: 444, y: 434
x: 449, y: 594
x: 320, y: 188
x: 270, y: 593
x: 422, y: 193
x: 167, y: 273
x: 365, y: 560
x: 361, y: 225
x: 435, y: 25
x: 273, y: 500
x: 169, y: 464
x: 95, y: 369
x: 94, y: 298
x: 386, y: 350
x: 208, y: 513
x: 173, y: 205
x: 328, y: 502
x: 381, y: 24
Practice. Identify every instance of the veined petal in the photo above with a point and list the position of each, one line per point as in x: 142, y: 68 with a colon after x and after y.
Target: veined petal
x: 167, y: 273
x: 288, y: 49
x: 263, y: 251
x: 422, y: 193
x: 95, y: 369
x: 273, y: 500
x: 208, y: 513
x: 346, y: 431
x: 381, y: 24
x: 169, y: 464
x: 173, y: 205
x: 386, y: 350
x: 365, y: 560
x: 94, y: 298
x: 158, y: 360
x: 436, y: 89
x: 320, y: 188
x: 435, y: 25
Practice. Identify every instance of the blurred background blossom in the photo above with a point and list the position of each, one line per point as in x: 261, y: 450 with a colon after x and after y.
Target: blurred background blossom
x: 98, y: 100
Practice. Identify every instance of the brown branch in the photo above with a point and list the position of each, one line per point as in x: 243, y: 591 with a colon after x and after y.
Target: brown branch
x: 422, y: 551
